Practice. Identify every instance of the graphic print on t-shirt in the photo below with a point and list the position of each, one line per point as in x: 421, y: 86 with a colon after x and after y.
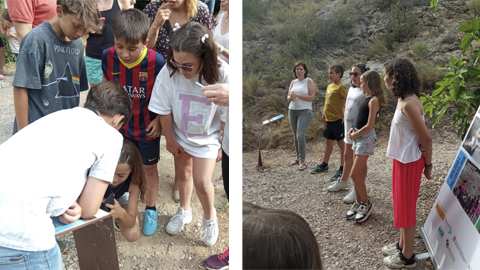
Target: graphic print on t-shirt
x: 67, y: 84
x: 195, y: 111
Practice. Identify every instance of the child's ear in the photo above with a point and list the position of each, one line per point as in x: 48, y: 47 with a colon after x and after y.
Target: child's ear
x: 117, y: 120
x: 59, y: 11
x: 145, y: 43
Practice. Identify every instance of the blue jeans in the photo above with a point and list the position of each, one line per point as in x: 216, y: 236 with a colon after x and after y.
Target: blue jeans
x: 12, y: 259
x: 299, y: 120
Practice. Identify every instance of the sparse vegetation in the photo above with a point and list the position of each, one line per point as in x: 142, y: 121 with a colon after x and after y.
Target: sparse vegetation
x: 381, y: 48
x: 402, y: 21
x: 420, y: 49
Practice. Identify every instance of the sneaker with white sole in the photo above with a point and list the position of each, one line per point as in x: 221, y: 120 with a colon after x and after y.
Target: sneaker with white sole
x: 210, y: 231
x: 150, y: 221
x: 338, y: 185
x: 353, y: 210
x: 398, y: 261
x: 351, y: 197
x: 363, y: 212
x: 176, y: 223
x: 391, y: 249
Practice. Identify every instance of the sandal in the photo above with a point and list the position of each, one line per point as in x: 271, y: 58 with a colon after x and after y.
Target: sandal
x: 293, y: 162
x: 7, y: 73
x: 302, y: 166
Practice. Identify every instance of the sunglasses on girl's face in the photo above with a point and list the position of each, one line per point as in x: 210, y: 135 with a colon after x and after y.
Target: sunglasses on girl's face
x: 354, y: 74
x: 185, y: 68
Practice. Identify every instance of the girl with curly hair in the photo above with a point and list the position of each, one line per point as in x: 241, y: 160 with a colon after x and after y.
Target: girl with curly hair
x: 410, y: 147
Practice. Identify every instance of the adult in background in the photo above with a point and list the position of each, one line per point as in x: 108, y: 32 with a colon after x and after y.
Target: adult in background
x: 300, y: 95
x: 222, y: 35
x: 96, y: 43
x: 164, y: 15
x: 210, y: 4
x: 28, y: 14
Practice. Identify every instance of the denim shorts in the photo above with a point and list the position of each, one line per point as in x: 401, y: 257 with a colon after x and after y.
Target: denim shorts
x: 94, y: 70
x: 13, y: 259
x: 124, y: 199
x: 365, y: 145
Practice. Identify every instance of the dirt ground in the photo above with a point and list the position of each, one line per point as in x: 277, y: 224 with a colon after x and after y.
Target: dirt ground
x: 343, y: 243
x: 160, y: 250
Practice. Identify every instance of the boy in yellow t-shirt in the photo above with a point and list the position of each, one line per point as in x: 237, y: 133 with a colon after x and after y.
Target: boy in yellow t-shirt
x: 333, y: 119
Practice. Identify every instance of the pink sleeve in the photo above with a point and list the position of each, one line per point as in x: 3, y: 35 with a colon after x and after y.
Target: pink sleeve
x: 21, y: 10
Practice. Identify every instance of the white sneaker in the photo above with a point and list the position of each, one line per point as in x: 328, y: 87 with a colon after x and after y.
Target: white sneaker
x: 397, y: 261
x: 390, y: 249
x: 351, y: 197
x: 338, y: 185
x: 353, y: 210
x: 210, y: 231
x: 182, y: 217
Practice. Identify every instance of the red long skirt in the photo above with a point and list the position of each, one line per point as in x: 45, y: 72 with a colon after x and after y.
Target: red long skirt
x: 405, y: 187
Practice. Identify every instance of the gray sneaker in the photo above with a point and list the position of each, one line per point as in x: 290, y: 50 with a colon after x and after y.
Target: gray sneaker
x: 338, y: 185
x: 351, y: 197
x: 353, y: 210
x: 363, y: 212
x: 176, y: 223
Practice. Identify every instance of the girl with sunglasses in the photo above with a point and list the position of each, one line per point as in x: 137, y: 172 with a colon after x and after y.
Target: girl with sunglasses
x: 355, y: 97
x: 192, y: 124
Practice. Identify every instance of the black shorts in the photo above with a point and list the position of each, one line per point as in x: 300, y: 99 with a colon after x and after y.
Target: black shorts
x: 149, y: 150
x: 335, y: 130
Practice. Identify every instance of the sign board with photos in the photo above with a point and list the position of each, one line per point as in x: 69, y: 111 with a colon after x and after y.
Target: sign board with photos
x: 452, y: 229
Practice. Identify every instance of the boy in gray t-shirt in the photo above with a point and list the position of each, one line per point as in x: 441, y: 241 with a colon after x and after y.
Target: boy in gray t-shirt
x: 51, y: 70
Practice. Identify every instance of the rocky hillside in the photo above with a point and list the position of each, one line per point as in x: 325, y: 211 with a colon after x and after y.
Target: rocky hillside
x: 278, y: 33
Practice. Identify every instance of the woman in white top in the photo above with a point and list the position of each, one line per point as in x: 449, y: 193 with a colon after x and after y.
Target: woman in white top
x: 410, y: 147
x: 222, y: 31
x: 300, y: 94
x: 354, y: 99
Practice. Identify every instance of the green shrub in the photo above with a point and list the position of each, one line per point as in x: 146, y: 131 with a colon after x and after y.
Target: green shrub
x: 382, y: 4
x: 402, y: 22
x: 379, y: 49
x: 339, y: 17
x: 474, y: 6
x: 429, y: 75
x: 420, y: 49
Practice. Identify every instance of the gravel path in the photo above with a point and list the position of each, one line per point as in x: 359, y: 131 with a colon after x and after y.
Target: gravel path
x: 344, y: 244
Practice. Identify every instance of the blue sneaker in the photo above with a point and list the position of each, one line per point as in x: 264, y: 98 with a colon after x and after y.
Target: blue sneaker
x: 337, y: 175
x: 320, y: 168
x: 150, y: 222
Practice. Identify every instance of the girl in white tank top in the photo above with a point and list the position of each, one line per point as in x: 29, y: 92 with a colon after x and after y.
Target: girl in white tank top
x: 410, y: 146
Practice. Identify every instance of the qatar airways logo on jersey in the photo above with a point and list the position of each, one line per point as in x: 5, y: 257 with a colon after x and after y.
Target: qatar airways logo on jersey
x: 133, y: 92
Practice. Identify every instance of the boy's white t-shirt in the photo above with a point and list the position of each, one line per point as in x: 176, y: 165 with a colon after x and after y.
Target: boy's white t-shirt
x: 191, y: 110
x: 43, y: 170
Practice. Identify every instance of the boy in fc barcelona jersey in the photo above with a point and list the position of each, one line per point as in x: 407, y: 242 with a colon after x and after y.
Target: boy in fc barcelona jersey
x: 135, y: 67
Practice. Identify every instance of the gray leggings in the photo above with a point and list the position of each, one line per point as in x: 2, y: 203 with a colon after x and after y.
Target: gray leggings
x: 299, y: 121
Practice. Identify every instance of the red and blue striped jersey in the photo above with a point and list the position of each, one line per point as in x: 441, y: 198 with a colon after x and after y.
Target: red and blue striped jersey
x: 137, y: 78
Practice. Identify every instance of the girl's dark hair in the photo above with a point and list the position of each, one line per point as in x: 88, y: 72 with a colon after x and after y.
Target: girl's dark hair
x: 300, y: 63
x: 131, y: 156
x: 363, y: 67
x: 405, y: 77
x: 277, y: 239
x: 6, y: 16
x: 189, y: 39
x: 374, y: 85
